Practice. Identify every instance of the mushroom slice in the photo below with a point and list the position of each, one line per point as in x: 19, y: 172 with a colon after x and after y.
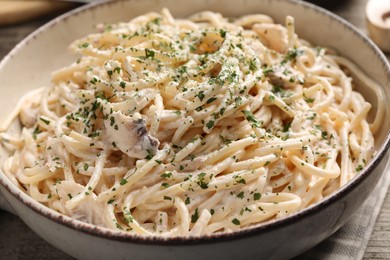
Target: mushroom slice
x: 130, y: 135
x: 285, y: 75
x: 274, y: 36
x: 89, y: 210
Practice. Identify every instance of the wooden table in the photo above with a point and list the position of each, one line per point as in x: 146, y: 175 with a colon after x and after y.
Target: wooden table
x: 17, y: 241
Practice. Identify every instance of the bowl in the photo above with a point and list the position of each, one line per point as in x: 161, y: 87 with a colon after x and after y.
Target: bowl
x: 29, y: 66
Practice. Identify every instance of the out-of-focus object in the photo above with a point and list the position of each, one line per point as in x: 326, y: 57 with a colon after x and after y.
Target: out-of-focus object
x: 328, y: 4
x: 18, y: 11
x: 378, y: 22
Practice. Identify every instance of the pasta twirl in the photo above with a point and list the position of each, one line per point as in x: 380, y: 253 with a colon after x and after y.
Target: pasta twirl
x: 186, y: 127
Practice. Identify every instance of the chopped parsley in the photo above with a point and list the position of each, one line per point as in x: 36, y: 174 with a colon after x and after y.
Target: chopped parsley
x: 251, y: 118
x: 236, y: 222
x: 256, y: 196
x: 123, y: 182
x: 149, y: 53
x: 195, y: 216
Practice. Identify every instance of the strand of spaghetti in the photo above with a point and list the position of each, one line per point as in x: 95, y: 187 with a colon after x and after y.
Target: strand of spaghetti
x: 344, y: 155
x: 184, y: 126
x: 157, y: 111
x: 34, y: 175
x: 92, y: 183
x: 256, y: 217
x: 276, y: 147
x: 380, y: 113
x: 362, y: 113
x: 37, y: 195
x: 162, y: 222
x: 15, y: 112
x: 229, y: 149
x: 280, y: 103
x: 189, y: 148
x: 311, y: 169
x: 314, y: 190
x: 183, y: 214
x: 10, y: 167
x: 131, y: 177
x: 307, y: 92
x: 201, y: 223
x: 253, y: 163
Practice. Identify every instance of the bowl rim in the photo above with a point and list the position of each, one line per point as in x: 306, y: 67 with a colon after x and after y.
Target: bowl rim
x: 254, y: 230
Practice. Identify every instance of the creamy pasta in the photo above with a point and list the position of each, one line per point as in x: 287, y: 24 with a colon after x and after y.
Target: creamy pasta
x: 186, y: 127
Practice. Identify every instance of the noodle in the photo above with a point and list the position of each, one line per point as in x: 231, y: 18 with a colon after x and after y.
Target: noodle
x: 178, y: 127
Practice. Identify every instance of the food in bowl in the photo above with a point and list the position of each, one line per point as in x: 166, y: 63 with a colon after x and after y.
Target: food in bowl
x: 176, y: 127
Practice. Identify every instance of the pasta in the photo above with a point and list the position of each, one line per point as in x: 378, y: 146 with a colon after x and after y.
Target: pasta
x: 187, y: 127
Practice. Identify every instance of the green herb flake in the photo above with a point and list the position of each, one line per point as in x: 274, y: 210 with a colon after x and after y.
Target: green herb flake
x: 286, y: 127
x: 200, y: 95
x: 210, y: 124
x: 210, y: 100
x: 122, y: 84
x: 252, y: 65
x: 359, y: 168
x: 47, y: 122
x: 240, y: 195
x: 165, y: 185
x: 251, y: 118
x: 291, y: 55
x: 166, y: 175
x: 149, y: 53
x: 222, y: 33
x: 236, y: 222
x: 84, y: 45
x: 256, y: 196
x: 195, y: 216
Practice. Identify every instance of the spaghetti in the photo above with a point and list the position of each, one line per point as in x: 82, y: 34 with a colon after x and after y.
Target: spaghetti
x: 178, y: 127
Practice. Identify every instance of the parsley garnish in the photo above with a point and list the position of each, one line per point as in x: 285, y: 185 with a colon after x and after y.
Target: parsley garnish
x: 195, y: 216
x: 240, y: 195
x: 201, y: 95
x: 44, y: 120
x: 166, y: 175
x: 236, y: 222
x: 256, y: 196
x: 149, y: 53
x: 251, y: 118
x: 252, y: 65
x: 222, y: 33
x: 210, y: 124
x: 292, y: 54
x: 204, y: 185
x: 359, y: 168
x: 84, y: 45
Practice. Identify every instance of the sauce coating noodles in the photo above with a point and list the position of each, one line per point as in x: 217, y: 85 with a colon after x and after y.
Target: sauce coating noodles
x: 178, y: 127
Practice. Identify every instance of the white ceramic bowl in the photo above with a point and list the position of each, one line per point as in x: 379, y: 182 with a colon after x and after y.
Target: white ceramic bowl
x: 29, y: 65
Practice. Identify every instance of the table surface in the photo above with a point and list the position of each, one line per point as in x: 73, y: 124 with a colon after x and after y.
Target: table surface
x: 17, y: 241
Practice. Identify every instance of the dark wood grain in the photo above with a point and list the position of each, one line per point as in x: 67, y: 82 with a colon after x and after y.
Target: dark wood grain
x: 17, y: 241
